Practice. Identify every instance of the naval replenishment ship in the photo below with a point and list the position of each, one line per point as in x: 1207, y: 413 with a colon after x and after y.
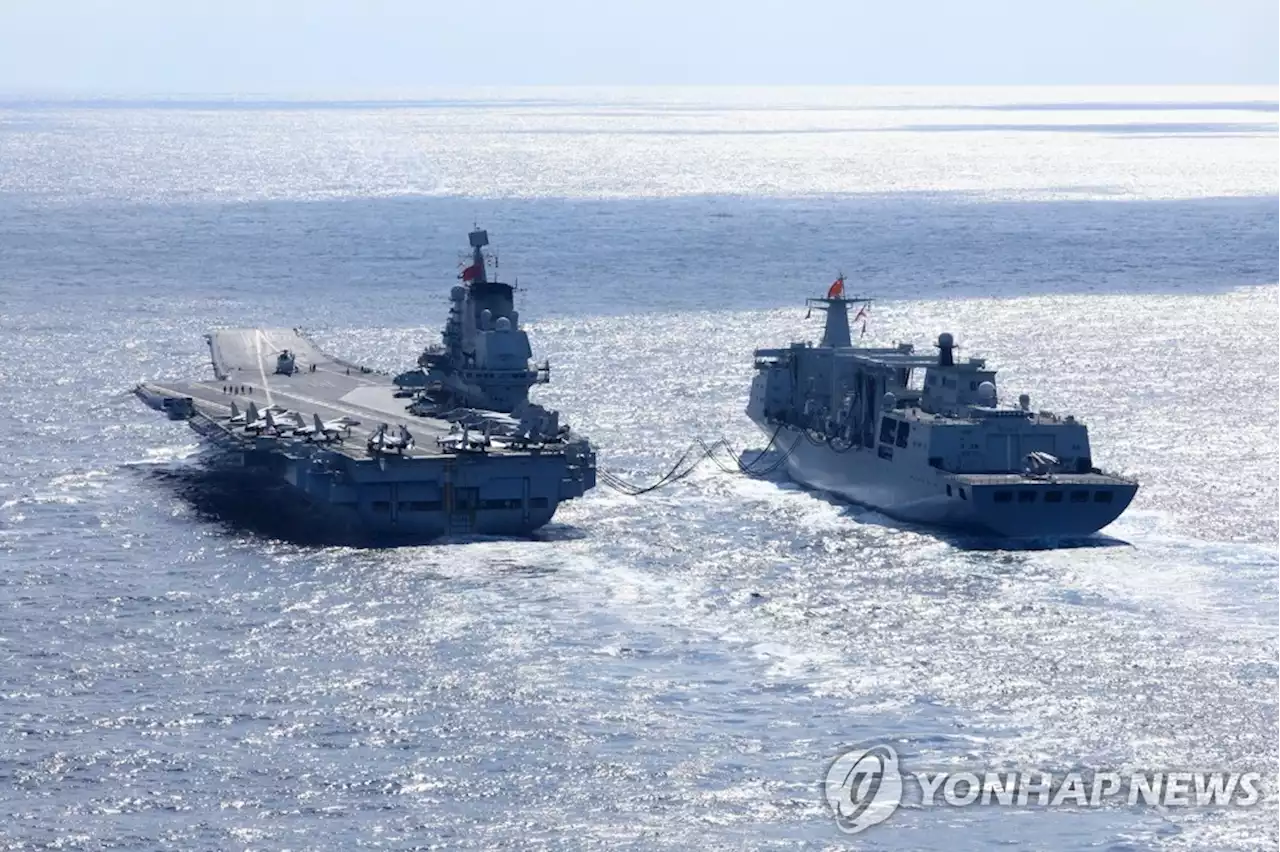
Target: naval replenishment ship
x: 453, y: 447
x: 924, y: 438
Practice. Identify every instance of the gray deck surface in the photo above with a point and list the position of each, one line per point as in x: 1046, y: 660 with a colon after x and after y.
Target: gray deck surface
x: 244, y: 361
x: 1053, y: 479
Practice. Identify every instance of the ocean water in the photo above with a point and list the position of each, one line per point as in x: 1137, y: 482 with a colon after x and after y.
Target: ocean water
x: 668, y: 672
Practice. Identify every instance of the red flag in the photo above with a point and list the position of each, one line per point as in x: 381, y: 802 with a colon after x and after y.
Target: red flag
x: 470, y: 272
x: 836, y: 290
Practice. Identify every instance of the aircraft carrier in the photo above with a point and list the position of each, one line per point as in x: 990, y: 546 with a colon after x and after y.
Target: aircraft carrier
x: 461, y: 452
x: 924, y: 438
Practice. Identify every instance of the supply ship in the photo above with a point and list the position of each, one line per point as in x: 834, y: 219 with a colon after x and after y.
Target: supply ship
x: 925, y: 437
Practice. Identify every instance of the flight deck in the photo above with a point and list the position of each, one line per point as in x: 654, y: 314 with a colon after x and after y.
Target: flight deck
x: 245, y: 362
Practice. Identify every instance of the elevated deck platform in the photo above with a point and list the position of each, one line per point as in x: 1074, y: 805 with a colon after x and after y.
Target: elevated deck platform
x: 244, y: 366
x: 1046, y: 480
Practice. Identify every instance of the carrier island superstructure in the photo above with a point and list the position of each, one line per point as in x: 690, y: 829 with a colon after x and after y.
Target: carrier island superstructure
x: 454, y: 448
x: 925, y: 438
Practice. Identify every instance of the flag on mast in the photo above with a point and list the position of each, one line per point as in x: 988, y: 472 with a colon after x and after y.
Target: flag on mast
x: 836, y: 290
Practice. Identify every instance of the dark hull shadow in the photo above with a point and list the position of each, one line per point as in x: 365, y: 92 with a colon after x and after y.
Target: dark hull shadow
x: 961, y: 538
x: 244, y: 503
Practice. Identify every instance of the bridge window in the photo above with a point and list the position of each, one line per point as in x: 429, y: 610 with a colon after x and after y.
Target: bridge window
x: 1026, y: 496
x: 1102, y: 496
x: 904, y: 430
x: 1053, y: 496
x: 1002, y: 497
x: 888, y: 427
x: 1079, y: 496
x: 421, y: 506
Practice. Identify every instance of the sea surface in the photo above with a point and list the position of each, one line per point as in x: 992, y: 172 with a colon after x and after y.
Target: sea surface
x: 674, y: 671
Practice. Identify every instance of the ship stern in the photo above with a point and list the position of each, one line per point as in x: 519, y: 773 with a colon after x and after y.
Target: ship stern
x: 1023, y: 507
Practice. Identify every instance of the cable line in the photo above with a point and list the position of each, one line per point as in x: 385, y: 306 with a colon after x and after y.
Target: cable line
x: 691, y: 458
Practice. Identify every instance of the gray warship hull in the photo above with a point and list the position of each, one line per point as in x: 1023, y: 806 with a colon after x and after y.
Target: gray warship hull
x: 924, y: 438
x: 436, y: 486
x: 934, y: 497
